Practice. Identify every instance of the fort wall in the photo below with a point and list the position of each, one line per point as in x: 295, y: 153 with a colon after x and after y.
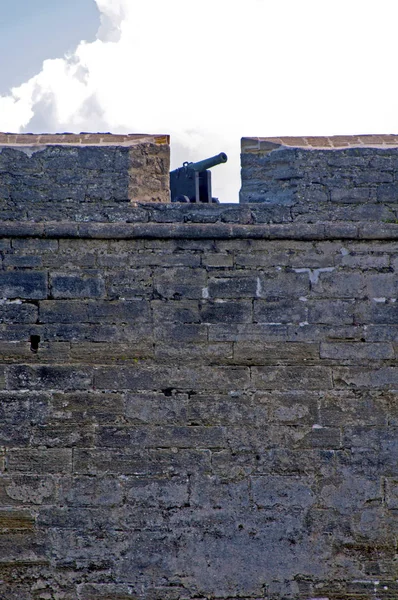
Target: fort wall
x: 211, y: 410
x: 322, y: 170
x: 65, y: 169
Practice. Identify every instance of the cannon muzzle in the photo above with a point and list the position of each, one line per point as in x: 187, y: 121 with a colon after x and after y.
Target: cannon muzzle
x: 207, y: 163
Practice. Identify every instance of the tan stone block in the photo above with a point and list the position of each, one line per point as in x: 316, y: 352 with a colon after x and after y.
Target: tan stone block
x: 16, y: 520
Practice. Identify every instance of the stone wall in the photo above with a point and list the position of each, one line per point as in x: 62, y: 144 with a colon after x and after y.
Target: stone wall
x: 336, y: 170
x: 68, y: 169
x: 211, y: 410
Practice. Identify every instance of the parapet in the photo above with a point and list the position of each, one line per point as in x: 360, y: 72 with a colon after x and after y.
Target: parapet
x: 85, y: 167
x: 338, y: 169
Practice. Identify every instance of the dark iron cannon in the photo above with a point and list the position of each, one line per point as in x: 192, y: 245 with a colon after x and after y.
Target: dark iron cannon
x: 192, y: 181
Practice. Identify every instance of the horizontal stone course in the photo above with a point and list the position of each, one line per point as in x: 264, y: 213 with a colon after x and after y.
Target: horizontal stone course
x: 130, y: 231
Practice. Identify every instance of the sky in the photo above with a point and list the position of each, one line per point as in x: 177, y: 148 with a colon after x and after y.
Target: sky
x: 34, y: 30
x: 207, y: 72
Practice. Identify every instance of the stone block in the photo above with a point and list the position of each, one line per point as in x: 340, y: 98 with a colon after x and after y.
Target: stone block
x: 156, y: 408
x: 22, y: 262
x: 238, y: 286
x: 49, y: 352
x: 16, y: 520
x: 282, y: 311
x: 94, y: 311
x: 20, y: 490
x: 382, y: 285
x: 86, y: 491
x: 266, y: 352
x: 111, y: 461
x: 22, y: 377
x: 181, y: 333
x: 86, y: 407
x: 129, y: 284
x: 350, y: 408
x: 34, y: 245
x: 225, y: 311
x: 321, y: 437
x: 364, y: 437
x: 182, y: 377
x: 340, y: 285
x: 203, y: 353
x: 248, y: 332
x: 2, y: 378
x: 40, y: 462
x: 380, y: 311
x: 387, y: 192
x: 179, y: 283
x: 356, y: 351
x: 292, y: 407
x: 56, y: 435
x: 74, y: 285
x: 157, y: 492
x: 351, y: 194
x: 161, y: 437
x: 214, y: 493
x: 105, y: 591
x: 23, y: 284
x: 388, y: 457
x: 144, y: 463
x: 273, y: 492
x: 23, y: 548
x: 392, y: 493
x: 381, y: 333
x: 282, y: 284
x: 19, y: 415
x: 18, y: 312
x: 134, y: 346
x: 218, y: 260
x: 111, y: 333
x: 349, y: 494
x: 357, y: 377
x: 164, y: 260
x: 175, y: 311
x: 282, y: 378
x: 336, y: 312
x: 364, y: 260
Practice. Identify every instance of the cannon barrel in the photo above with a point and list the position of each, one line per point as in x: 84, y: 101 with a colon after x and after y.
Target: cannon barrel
x: 207, y: 163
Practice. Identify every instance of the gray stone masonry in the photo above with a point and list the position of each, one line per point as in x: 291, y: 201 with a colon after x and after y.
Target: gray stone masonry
x: 211, y: 412
x: 64, y: 169
x: 336, y: 171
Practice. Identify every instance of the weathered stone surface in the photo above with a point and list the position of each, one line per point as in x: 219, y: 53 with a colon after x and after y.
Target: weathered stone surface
x: 70, y: 285
x: 75, y: 168
x: 211, y: 410
x: 20, y: 490
x: 14, y: 284
x: 39, y: 461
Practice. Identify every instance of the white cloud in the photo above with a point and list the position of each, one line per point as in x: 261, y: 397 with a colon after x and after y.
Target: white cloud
x: 113, y: 14
x: 209, y: 72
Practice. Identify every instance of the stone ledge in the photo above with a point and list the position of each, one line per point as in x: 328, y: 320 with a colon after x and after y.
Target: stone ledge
x: 81, y: 139
x: 351, y: 213
x: 320, y: 142
x: 294, y: 231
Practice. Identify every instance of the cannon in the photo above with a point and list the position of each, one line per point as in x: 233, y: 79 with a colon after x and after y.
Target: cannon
x: 192, y: 181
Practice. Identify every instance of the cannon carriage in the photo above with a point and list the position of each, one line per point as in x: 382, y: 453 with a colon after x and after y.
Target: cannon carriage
x: 192, y: 181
